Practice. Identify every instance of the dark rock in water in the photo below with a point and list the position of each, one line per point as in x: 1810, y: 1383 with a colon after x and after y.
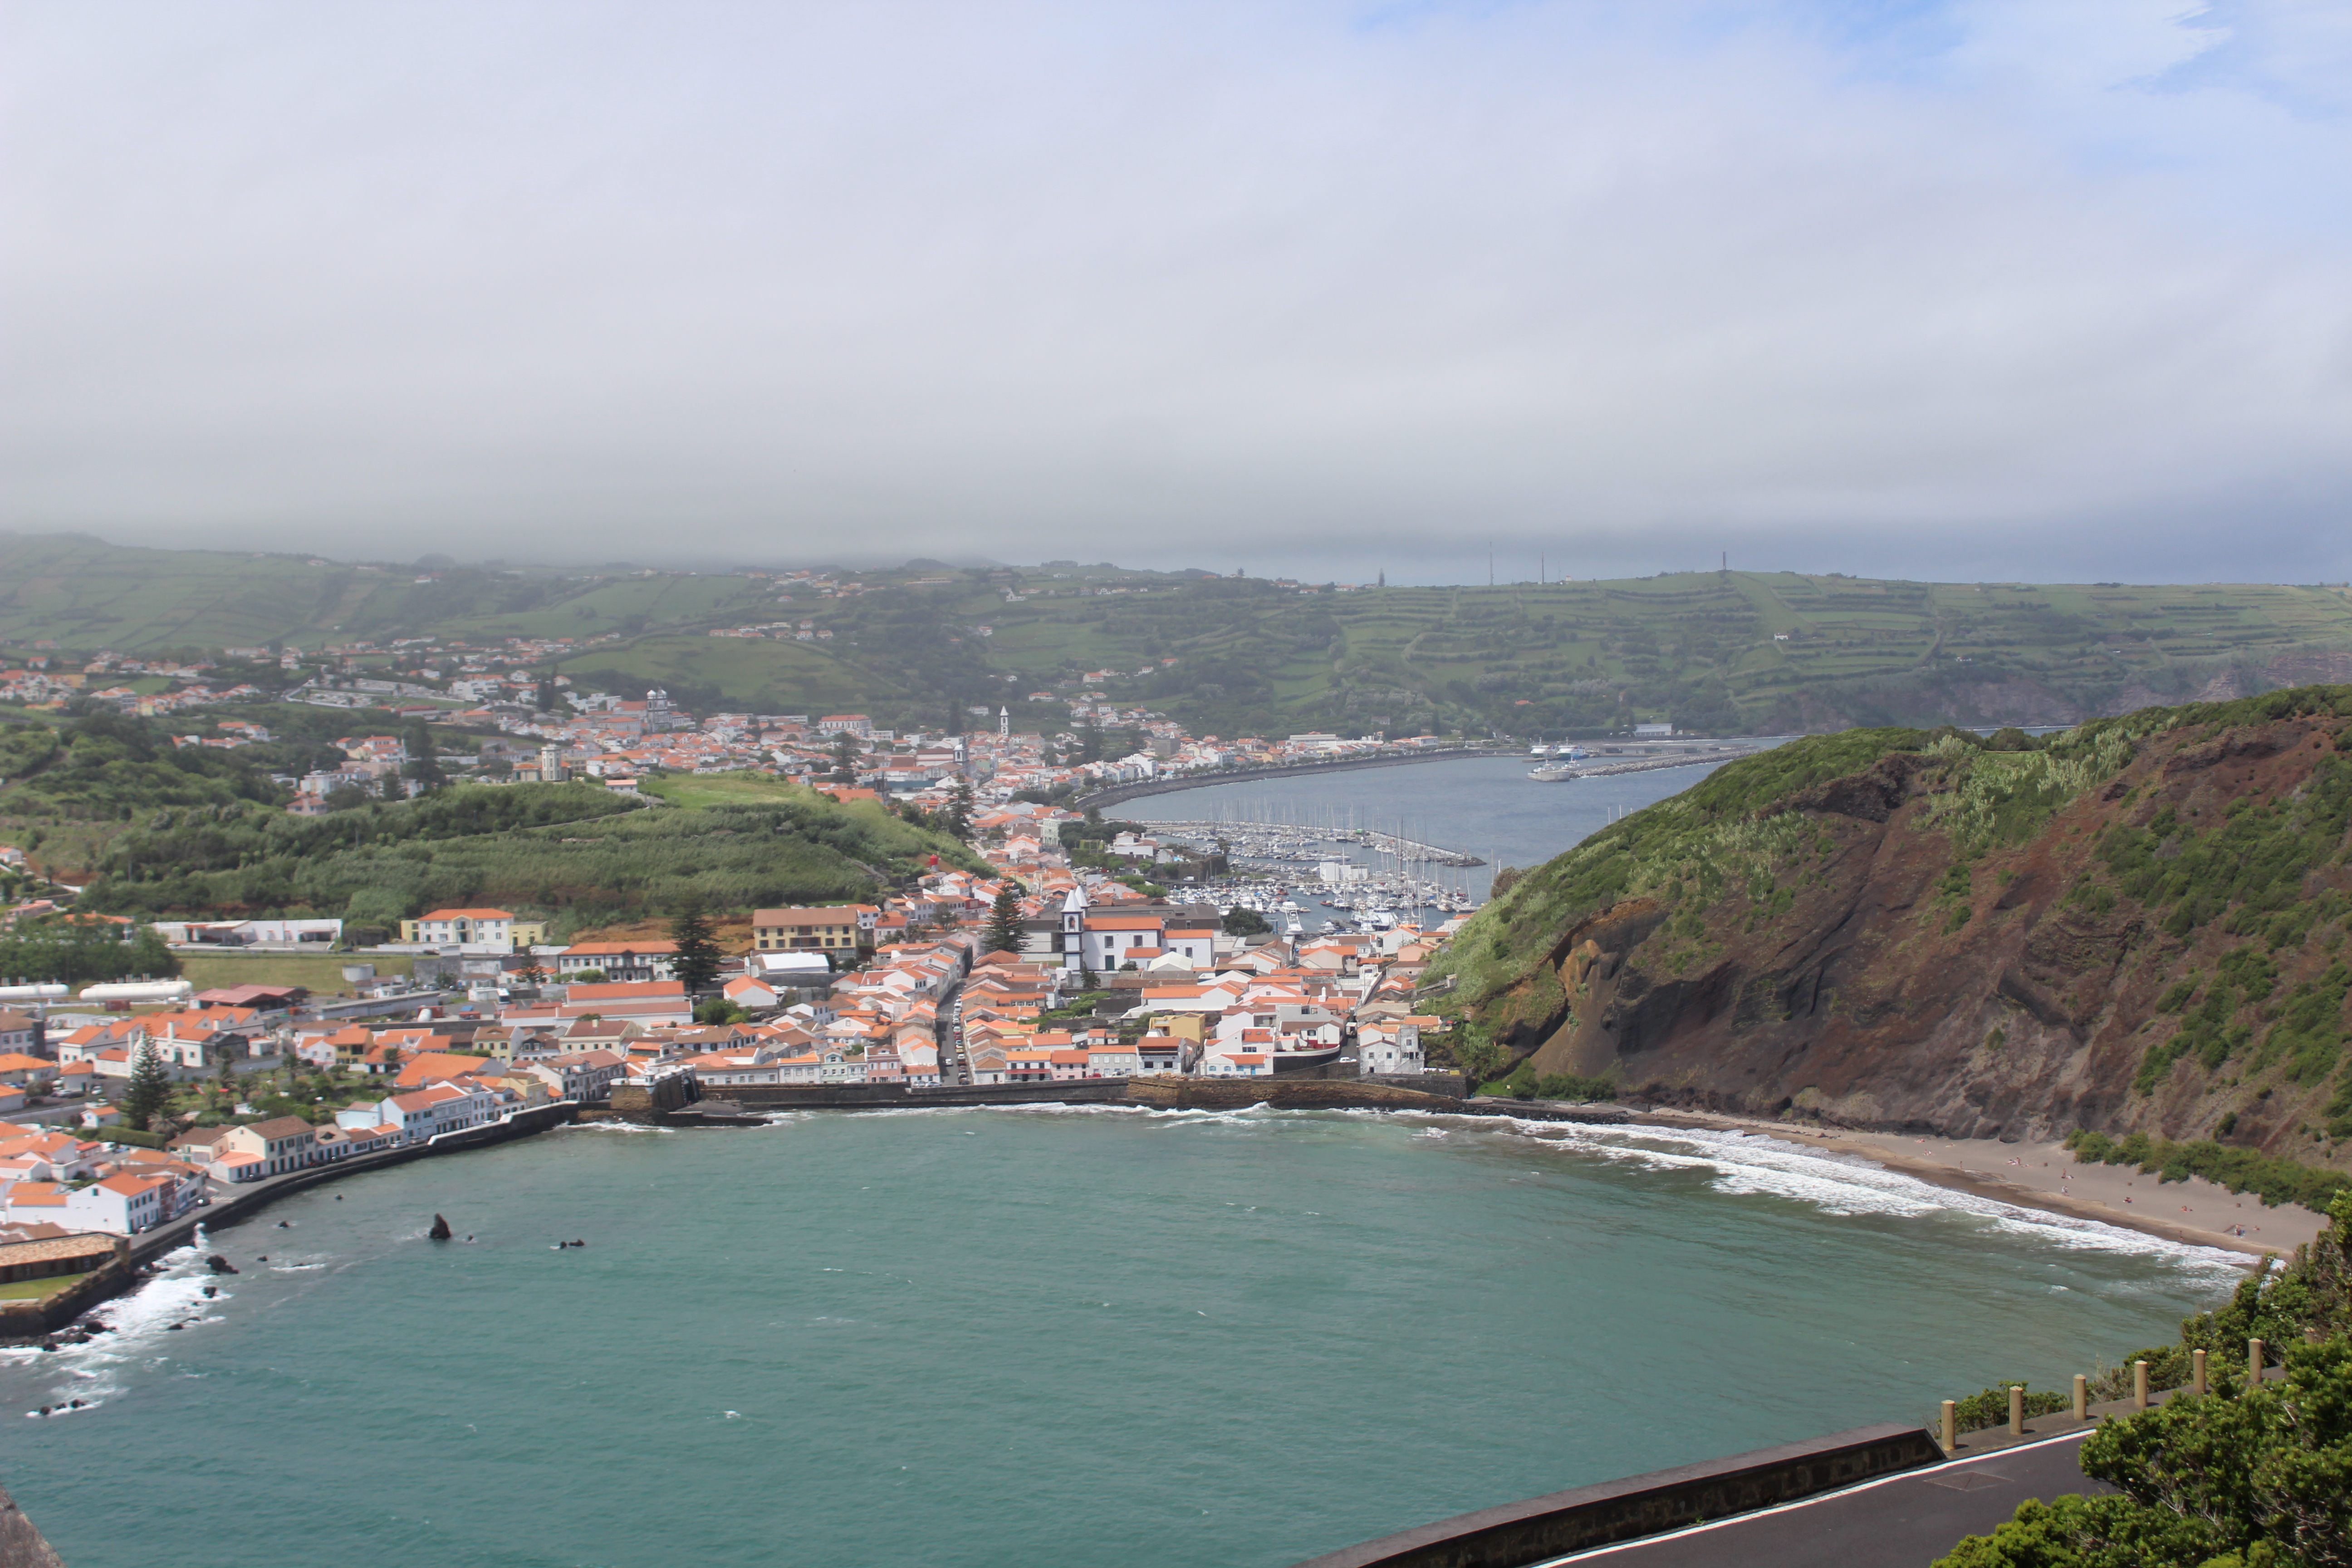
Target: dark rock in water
x: 220, y: 1265
x: 173, y: 1328
x: 211, y: 1291
x: 440, y: 1231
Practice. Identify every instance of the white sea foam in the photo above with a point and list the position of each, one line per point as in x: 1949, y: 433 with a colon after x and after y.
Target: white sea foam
x: 1848, y: 1184
x: 135, y: 1326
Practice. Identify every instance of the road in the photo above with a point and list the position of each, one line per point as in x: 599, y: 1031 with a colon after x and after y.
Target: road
x: 1905, y: 1520
x: 955, y: 1067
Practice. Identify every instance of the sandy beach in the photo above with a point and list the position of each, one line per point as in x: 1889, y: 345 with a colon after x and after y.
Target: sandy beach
x: 2046, y: 1176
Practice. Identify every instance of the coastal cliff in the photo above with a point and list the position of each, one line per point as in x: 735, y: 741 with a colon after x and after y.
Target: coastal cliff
x: 2137, y: 927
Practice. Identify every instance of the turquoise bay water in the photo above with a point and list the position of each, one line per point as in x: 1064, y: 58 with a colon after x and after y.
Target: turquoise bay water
x: 993, y: 1337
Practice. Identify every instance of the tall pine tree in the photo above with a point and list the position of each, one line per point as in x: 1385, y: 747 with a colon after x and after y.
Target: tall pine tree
x: 1004, y: 919
x: 149, y: 1092
x: 957, y: 819
x: 697, y: 951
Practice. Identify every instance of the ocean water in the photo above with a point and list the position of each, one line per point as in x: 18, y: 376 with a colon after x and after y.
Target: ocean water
x: 1024, y: 1337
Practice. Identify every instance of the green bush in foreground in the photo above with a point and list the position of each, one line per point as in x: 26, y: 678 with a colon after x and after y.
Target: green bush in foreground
x: 2234, y: 1479
x: 2229, y: 1478
x: 1990, y: 1408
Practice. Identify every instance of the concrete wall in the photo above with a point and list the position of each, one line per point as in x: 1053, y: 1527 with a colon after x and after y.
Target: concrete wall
x: 1286, y: 1093
x: 1526, y: 1532
x: 764, y: 1097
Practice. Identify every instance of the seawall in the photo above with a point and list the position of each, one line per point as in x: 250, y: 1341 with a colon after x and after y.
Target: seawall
x: 1542, y: 1527
x: 28, y: 1320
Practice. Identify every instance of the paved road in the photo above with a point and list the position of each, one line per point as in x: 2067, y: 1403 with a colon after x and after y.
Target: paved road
x: 1899, y: 1521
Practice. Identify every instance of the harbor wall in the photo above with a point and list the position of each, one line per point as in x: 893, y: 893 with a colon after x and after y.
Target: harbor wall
x: 1168, y: 1093
x: 237, y: 1205
x: 1539, y: 1528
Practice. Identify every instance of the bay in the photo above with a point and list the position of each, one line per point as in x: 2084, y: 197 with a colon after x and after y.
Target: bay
x: 992, y: 1337
x: 1012, y: 1337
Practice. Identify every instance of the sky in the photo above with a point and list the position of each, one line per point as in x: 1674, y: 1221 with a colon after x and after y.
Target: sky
x: 2049, y: 289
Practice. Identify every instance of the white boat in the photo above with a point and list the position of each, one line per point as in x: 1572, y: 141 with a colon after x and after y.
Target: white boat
x: 1540, y: 750
x: 1552, y: 773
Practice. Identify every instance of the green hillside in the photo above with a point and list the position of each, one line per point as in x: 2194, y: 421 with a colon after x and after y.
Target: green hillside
x: 918, y: 647
x: 574, y: 854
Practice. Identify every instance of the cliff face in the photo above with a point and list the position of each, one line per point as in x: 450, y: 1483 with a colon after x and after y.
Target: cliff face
x: 2140, y: 927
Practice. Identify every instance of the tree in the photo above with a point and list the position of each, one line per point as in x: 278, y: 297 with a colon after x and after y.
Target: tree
x: 533, y: 973
x: 957, y: 819
x: 719, y: 1010
x: 423, y: 760
x: 1243, y: 920
x: 698, y: 957
x: 148, y: 1094
x: 1005, y: 918
x: 844, y: 758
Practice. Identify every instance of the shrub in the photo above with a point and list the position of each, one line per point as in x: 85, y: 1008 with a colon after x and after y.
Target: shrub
x: 1990, y: 1408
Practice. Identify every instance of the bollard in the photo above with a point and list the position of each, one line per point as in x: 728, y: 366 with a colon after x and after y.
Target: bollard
x: 2139, y: 1384
x: 2253, y: 1364
x: 2082, y: 1397
x: 1951, y: 1426
x: 2196, y: 1372
x: 2017, y: 1410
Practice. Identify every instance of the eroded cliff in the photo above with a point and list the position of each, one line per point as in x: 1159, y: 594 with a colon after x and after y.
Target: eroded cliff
x: 2140, y: 926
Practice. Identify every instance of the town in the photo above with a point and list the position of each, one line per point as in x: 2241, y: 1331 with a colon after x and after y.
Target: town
x: 1045, y: 971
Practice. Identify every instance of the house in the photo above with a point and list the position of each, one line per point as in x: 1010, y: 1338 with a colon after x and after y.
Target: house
x: 621, y: 960
x: 1160, y: 1054
x: 473, y: 928
x: 1392, y: 1046
x: 752, y: 996
x: 1106, y: 942
x: 835, y: 930
x: 18, y: 1031
x: 33, y: 1075
x: 280, y: 1145
x: 118, y: 1204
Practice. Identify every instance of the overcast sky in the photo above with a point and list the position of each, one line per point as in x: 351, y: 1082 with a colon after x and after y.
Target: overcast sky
x: 2049, y: 288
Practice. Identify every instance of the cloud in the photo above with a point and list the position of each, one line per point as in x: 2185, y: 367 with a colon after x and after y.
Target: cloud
x: 1975, y: 289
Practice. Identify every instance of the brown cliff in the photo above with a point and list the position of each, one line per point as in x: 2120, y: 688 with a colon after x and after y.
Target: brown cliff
x: 2138, y: 927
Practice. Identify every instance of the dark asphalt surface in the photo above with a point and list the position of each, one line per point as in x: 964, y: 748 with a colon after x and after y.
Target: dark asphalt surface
x: 1900, y: 1522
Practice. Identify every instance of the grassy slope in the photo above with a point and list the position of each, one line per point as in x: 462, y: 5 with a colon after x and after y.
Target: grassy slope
x: 570, y: 852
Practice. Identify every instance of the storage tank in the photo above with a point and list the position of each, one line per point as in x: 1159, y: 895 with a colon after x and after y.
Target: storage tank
x: 32, y: 993
x: 140, y: 991
x: 356, y: 973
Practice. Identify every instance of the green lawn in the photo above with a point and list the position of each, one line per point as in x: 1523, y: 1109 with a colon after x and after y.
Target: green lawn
x: 313, y: 972
x: 34, y: 1290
